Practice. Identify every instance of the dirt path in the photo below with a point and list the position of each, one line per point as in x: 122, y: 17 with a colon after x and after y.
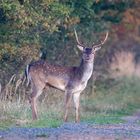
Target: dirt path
x: 72, y: 131
x: 82, y: 131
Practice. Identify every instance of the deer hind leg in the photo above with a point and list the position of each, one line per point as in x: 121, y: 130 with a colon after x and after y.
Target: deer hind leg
x: 68, y: 96
x: 76, y: 99
x: 35, y: 94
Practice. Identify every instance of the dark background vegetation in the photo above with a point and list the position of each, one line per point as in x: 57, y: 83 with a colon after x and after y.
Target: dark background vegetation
x: 29, y: 28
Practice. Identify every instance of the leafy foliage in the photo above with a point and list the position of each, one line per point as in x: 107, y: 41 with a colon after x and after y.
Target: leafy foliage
x: 30, y: 26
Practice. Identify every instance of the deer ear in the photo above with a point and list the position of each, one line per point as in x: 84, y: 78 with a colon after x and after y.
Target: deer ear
x: 97, y: 48
x: 80, y: 47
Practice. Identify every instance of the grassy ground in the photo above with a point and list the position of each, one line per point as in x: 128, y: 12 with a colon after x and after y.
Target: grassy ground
x: 111, y: 100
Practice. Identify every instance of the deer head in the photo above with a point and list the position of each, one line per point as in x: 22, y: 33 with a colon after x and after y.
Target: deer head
x: 88, y: 53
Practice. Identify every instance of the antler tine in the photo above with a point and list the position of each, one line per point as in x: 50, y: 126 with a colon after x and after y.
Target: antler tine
x: 77, y: 38
x: 102, y: 42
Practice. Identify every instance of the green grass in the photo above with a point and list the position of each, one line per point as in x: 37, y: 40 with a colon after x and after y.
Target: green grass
x: 45, y: 122
x: 121, y: 96
x: 102, y: 119
x: 110, y: 102
x: 46, y: 119
x: 19, y: 115
x: 6, y: 123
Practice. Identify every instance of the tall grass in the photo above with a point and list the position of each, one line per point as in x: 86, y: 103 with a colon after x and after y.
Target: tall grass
x: 112, y: 99
x: 118, y: 95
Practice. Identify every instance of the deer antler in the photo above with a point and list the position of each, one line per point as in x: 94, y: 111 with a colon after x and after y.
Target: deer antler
x: 102, y: 42
x: 79, y: 45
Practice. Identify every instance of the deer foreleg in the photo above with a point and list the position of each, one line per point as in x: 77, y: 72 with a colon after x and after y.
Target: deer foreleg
x: 68, y: 96
x: 76, y: 99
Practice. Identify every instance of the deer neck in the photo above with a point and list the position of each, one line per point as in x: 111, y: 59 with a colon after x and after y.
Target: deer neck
x: 86, y: 69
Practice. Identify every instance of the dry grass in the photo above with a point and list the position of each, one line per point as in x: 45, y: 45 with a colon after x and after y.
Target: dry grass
x: 122, y: 97
x: 119, y: 97
x: 123, y: 64
x: 15, y: 89
x: 19, y: 114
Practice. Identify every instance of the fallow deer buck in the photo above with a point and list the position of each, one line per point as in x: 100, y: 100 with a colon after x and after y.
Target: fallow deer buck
x: 72, y: 80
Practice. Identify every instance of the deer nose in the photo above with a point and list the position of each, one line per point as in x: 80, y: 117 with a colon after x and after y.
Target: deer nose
x: 88, y: 57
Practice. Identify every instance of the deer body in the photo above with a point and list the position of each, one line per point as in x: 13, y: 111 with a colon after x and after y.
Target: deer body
x: 72, y: 80
x: 50, y: 74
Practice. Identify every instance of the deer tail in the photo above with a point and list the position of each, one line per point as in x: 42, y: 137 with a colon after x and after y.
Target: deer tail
x: 27, y: 74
